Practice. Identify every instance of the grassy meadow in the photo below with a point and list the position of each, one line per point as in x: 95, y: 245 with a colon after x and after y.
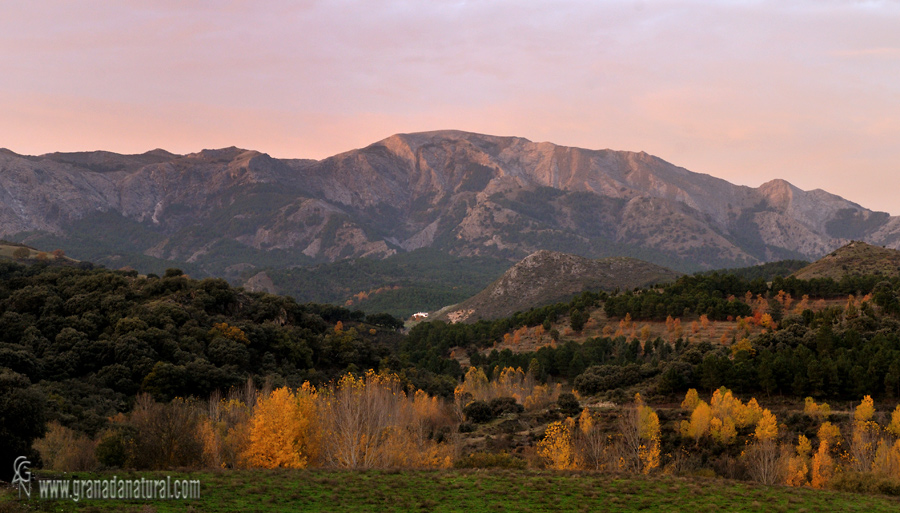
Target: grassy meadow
x: 464, y: 491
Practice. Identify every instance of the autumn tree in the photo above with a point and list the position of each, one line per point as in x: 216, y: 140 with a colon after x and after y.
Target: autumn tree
x: 165, y: 434
x: 63, y: 449
x: 822, y: 470
x: 359, y: 413
x: 592, y: 444
x: 368, y: 422
x: 762, y: 455
x: 797, y: 470
x: 475, y: 387
x: 817, y: 411
x: 864, y: 438
x: 698, y: 426
x: 894, y: 426
x: 283, y: 429
x: 691, y: 400
x: 232, y: 333
x: 225, y: 431
x: 556, y: 446
x: 639, y: 429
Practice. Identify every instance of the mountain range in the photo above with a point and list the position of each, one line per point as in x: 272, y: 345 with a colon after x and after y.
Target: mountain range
x: 235, y: 213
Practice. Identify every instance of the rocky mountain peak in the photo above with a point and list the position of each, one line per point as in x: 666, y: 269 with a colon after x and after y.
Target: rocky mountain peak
x: 779, y: 193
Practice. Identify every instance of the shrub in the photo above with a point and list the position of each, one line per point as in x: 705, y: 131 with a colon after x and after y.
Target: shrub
x: 113, y: 449
x: 858, y: 482
x: 478, y: 412
x: 600, y: 378
x: 503, y: 405
x: 568, y: 404
x: 63, y: 449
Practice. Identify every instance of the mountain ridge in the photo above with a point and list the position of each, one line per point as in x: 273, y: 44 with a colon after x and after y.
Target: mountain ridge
x: 229, y: 209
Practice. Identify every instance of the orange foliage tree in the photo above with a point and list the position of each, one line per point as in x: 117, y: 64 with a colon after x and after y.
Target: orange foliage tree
x: 283, y: 429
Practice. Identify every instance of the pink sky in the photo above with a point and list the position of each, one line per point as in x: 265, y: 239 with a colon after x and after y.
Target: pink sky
x: 808, y: 91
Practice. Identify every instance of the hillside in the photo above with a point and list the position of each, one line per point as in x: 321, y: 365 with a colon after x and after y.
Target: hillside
x: 23, y: 252
x: 854, y: 259
x: 547, y: 277
x: 235, y: 213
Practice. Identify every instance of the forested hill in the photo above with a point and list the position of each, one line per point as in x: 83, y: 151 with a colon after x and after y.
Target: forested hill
x: 88, y: 340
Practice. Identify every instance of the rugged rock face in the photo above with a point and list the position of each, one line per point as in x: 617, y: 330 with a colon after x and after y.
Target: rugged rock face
x: 260, y: 282
x: 547, y: 277
x: 463, y: 193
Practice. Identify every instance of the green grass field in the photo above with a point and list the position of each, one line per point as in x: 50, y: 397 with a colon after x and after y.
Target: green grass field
x: 465, y: 491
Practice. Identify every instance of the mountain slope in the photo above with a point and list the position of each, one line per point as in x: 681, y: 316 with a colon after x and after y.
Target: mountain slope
x: 235, y: 213
x: 856, y: 258
x: 547, y: 277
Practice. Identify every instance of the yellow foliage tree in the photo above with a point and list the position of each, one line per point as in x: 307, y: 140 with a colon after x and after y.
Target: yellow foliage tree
x: 513, y: 383
x: 818, y: 411
x: 475, y: 384
x: 370, y: 422
x: 639, y: 432
x: 763, y: 461
x: 829, y: 433
x: 865, y: 411
x: 592, y: 448
x: 865, y: 436
x: 749, y: 414
x: 700, y: 419
x: 887, y: 459
x: 743, y: 344
x: 767, y: 427
x: 691, y: 400
x: 723, y: 431
x: 894, y: 426
x: 230, y: 332
x: 541, y: 396
x: 556, y: 447
x: 648, y: 420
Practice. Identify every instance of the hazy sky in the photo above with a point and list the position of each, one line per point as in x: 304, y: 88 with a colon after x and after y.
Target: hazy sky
x: 748, y: 91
